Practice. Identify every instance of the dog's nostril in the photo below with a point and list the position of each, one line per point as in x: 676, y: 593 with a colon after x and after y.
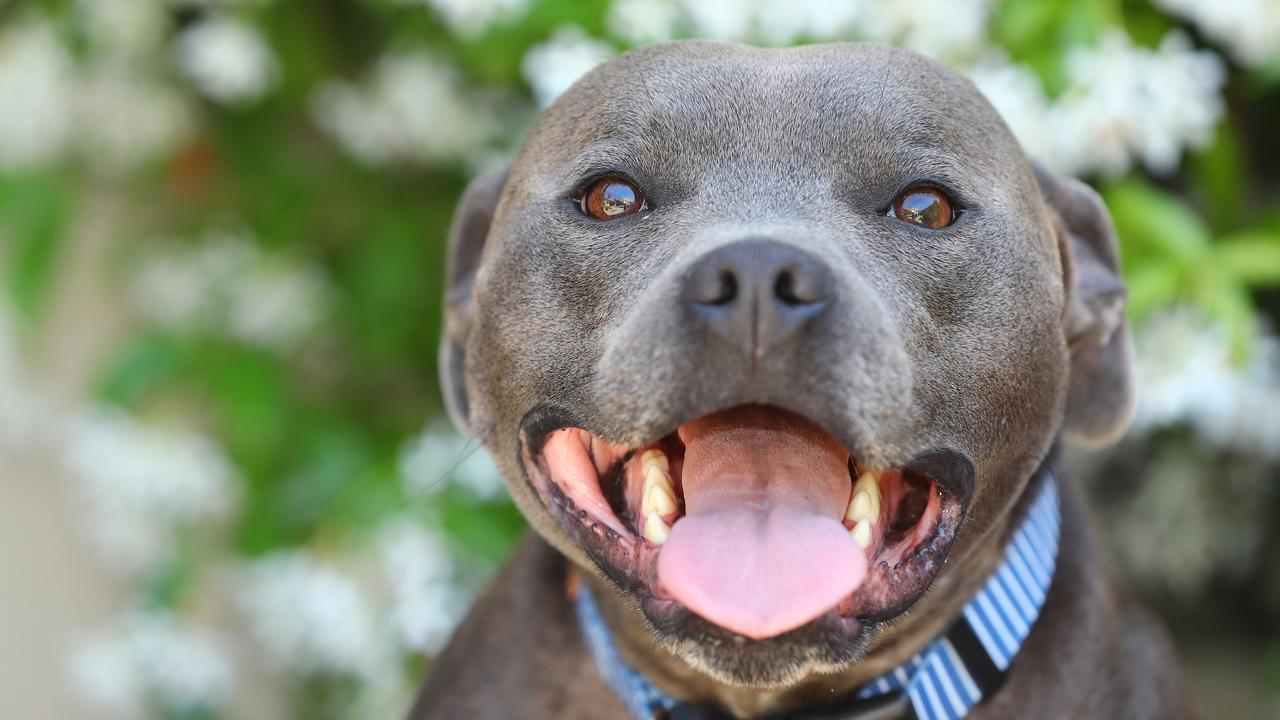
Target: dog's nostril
x: 784, y: 288
x: 715, y: 287
x: 793, y: 289
x: 727, y: 290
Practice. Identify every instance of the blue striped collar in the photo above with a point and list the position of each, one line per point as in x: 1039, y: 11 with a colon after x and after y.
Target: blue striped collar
x: 948, y: 677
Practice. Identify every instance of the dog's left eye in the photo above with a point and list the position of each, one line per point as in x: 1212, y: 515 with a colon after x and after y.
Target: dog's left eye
x: 611, y: 198
x: 925, y: 206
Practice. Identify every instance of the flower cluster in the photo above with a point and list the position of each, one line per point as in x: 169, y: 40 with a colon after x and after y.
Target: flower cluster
x: 225, y: 284
x: 784, y: 22
x: 227, y: 60
x: 188, y: 666
x: 1121, y: 103
x: 112, y: 114
x: 1250, y: 29
x: 440, y: 456
x: 1189, y: 375
x: 411, y: 109
x: 142, y: 484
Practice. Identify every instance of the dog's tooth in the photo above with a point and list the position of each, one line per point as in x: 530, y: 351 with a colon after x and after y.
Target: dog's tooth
x: 861, y: 533
x: 658, y: 496
x: 654, y: 456
x: 655, y: 474
x: 866, y: 499
x: 657, y: 493
x: 656, y: 529
x: 860, y: 507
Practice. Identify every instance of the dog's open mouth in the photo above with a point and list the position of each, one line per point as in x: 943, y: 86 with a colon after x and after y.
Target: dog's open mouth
x: 753, y: 518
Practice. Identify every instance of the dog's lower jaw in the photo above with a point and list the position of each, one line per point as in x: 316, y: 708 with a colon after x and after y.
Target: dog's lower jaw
x: 680, y: 669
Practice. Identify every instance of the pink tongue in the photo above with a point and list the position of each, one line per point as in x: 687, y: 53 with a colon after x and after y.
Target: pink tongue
x: 761, y: 549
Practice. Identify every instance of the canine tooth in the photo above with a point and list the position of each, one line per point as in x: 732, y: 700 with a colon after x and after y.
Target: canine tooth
x: 656, y: 529
x: 861, y: 533
x: 866, y: 500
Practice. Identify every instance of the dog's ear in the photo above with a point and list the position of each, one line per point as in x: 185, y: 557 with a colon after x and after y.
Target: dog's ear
x: 467, y: 238
x: 1101, y: 396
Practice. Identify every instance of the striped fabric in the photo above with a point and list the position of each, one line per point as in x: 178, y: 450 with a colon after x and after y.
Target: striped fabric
x: 948, y: 677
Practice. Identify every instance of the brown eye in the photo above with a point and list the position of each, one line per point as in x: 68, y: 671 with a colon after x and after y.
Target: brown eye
x: 924, y: 206
x: 611, y: 198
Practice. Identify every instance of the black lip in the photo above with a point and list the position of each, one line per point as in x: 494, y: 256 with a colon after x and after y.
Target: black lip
x: 540, y: 422
x: 950, y: 469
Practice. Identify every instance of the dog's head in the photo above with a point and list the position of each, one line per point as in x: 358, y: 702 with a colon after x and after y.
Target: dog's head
x: 763, y: 335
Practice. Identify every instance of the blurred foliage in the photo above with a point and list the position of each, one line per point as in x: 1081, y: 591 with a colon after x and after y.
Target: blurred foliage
x: 318, y: 428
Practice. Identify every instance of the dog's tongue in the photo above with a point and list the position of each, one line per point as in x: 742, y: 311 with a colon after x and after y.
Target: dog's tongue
x: 761, y: 549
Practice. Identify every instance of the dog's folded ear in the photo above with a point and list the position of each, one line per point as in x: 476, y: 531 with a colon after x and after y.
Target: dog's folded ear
x: 1101, y: 396
x: 467, y: 238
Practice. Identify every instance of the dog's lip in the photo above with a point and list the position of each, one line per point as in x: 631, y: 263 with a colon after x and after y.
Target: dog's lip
x: 630, y: 561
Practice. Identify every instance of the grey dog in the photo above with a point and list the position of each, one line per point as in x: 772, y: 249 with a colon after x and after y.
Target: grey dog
x: 774, y: 348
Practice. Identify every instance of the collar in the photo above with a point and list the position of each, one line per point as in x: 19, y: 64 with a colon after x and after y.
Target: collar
x: 943, y: 681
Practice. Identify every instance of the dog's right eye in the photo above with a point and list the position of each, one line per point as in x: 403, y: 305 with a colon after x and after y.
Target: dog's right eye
x: 925, y: 206
x: 610, y: 198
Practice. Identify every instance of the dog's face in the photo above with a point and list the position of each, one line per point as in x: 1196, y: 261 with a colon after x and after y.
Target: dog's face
x: 763, y: 336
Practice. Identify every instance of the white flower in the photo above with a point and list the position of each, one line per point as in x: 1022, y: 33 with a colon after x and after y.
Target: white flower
x: 1190, y: 519
x: 729, y: 20
x: 310, y: 617
x: 1016, y: 93
x: 1123, y: 101
x: 1187, y: 375
x: 469, y: 17
x: 1120, y: 103
x: 130, y: 28
x: 1249, y: 28
x: 919, y: 26
x: 141, y: 483
x: 427, y: 601
x: 180, y: 288
x: 942, y: 29
x: 439, y: 456
x: 227, y: 60
x: 275, y: 306
x: 413, y: 109
x: 225, y: 284
x: 783, y: 22
x: 134, y: 118
x: 551, y: 67
x: 153, y: 656
x: 37, y: 92
x: 644, y: 21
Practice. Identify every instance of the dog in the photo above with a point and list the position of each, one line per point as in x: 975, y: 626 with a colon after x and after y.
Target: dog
x: 774, y: 349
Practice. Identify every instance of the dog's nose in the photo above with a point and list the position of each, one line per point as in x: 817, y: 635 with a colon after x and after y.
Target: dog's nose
x: 756, y: 293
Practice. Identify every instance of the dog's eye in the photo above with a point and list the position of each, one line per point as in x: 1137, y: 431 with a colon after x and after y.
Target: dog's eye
x: 611, y: 198
x: 927, y: 207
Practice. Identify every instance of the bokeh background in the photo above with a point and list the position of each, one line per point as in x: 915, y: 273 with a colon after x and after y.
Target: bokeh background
x: 226, y: 486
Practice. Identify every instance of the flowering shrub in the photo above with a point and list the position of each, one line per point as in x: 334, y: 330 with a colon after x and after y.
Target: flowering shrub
x: 261, y: 457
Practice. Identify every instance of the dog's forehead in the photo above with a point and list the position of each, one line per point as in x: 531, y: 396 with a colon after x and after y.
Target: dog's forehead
x: 838, y: 103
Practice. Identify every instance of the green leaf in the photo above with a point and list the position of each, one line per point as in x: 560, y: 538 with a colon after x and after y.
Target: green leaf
x: 1150, y: 221
x: 140, y: 369
x: 1218, y: 173
x: 1153, y: 286
x: 1250, y: 258
x: 33, y: 213
x: 1228, y: 305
